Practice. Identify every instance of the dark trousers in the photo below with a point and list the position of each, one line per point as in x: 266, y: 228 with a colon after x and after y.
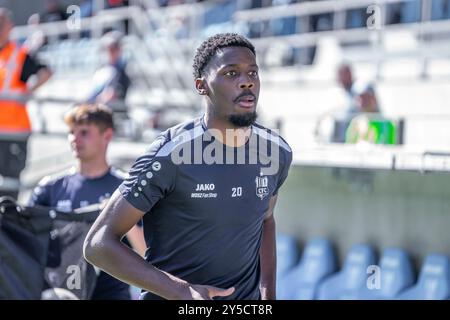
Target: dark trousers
x: 13, y: 156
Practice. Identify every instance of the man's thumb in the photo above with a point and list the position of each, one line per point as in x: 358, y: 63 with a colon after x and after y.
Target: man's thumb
x: 218, y: 292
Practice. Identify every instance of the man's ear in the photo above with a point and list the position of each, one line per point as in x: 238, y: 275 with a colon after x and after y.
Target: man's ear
x: 108, y: 134
x: 200, y: 86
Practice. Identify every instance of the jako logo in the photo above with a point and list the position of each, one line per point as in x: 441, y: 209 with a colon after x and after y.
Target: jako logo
x: 205, y: 187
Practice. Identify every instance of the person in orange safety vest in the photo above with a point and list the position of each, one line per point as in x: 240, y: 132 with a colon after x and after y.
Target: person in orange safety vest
x: 16, y: 68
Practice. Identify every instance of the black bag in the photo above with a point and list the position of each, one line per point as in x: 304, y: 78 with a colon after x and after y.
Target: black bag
x: 41, y: 248
x: 24, y: 235
x: 66, y: 267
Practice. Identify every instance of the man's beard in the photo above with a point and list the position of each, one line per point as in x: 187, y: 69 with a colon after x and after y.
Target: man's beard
x: 243, y: 120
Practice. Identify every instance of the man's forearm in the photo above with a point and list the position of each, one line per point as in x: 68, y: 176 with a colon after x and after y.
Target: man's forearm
x: 42, y: 77
x: 268, y: 261
x: 126, y: 265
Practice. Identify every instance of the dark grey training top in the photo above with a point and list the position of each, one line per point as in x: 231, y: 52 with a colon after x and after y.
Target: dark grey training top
x: 71, y: 190
x: 204, y: 216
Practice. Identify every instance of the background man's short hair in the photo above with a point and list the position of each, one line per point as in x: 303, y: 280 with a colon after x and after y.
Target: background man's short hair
x: 210, y: 46
x: 97, y: 114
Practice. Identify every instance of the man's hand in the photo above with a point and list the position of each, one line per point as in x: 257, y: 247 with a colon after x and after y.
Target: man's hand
x: 201, y: 292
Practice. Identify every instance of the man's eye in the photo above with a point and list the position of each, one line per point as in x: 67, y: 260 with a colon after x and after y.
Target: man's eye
x: 230, y: 73
x: 253, y: 73
x: 84, y: 133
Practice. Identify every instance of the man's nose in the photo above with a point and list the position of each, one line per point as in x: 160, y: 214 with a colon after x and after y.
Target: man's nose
x: 246, y: 82
x: 74, y: 137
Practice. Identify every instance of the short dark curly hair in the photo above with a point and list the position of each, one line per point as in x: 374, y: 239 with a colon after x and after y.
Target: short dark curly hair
x: 210, y: 46
x: 84, y: 113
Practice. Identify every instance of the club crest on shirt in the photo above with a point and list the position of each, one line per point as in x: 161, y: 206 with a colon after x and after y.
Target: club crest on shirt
x: 262, y: 186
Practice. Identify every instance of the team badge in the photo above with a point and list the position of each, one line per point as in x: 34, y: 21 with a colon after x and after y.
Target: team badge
x: 262, y: 187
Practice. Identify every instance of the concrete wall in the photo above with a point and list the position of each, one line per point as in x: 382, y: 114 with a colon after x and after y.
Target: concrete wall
x: 383, y: 208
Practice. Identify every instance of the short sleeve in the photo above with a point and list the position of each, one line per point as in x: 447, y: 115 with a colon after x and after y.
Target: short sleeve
x: 151, y: 178
x: 284, y: 171
x: 40, y: 195
x: 30, y: 67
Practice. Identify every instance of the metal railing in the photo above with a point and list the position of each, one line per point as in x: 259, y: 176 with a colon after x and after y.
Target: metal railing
x: 150, y: 22
x: 140, y: 27
x: 372, y: 35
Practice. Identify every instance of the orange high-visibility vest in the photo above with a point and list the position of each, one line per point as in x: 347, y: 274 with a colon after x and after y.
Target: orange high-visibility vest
x: 13, y: 92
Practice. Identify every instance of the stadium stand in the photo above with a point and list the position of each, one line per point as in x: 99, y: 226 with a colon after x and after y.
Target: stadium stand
x: 360, y: 277
x: 290, y: 50
x: 287, y: 255
x: 434, y: 280
x: 318, y: 261
x: 348, y: 282
x: 396, y: 274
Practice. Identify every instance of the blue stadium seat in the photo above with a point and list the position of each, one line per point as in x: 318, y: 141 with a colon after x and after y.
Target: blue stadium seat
x: 411, y: 11
x: 396, y: 274
x: 220, y: 13
x: 440, y: 9
x: 355, y: 18
x: 283, y: 26
x: 317, y: 262
x: 346, y: 284
x: 434, y: 280
x: 287, y: 256
x: 287, y: 253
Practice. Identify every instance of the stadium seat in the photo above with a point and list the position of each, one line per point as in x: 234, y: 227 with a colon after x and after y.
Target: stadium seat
x: 283, y: 26
x: 440, y: 9
x: 434, y: 280
x: 346, y: 284
x: 317, y: 262
x: 411, y: 11
x: 396, y: 274
x: 355, y: 18
x: 287, y: 255
x: 219, y: 13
